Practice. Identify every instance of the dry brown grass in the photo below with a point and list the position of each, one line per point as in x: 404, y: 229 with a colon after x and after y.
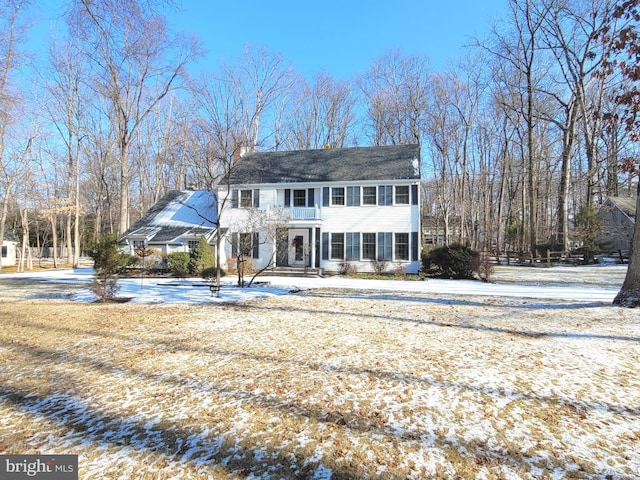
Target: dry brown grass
x: 382, y: 386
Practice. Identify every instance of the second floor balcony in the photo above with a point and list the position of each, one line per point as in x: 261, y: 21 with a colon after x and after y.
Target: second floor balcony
x: 305, y: 213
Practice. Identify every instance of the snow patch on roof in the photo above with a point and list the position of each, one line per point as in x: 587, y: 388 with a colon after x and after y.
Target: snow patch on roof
x: 188, y: 209
x: 416, y: 166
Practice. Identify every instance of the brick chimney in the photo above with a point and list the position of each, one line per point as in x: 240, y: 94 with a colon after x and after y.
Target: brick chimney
x: 238, y: 153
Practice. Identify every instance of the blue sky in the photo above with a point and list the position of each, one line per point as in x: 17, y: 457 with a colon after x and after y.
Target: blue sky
x: 343, y: 37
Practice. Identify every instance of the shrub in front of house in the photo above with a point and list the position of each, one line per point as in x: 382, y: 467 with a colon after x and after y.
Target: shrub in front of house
x: 155, y: 260
x: 210, y: 273
x: 348, y: 268
x: 178, y: 264
x: 108, y: 263
x: 202, y: 257
x: 379, y: 266
x: 483, y: 267
x: 451, y: 261
x: 399, y: 271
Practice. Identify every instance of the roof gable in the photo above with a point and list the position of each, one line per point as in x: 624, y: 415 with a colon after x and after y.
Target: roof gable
x: 180, y: 213
x: 625, y: 204
x: 393, y: 162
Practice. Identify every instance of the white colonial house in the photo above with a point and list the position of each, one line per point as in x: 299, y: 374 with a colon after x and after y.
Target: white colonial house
x: 350, y: 206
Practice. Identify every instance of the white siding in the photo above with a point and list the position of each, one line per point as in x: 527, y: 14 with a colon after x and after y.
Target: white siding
x: 10, y: 259
x: 339, y: 219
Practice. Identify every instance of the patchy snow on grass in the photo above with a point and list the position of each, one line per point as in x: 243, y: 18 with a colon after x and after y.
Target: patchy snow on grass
x: 597, y: 283
x: 535, y: 376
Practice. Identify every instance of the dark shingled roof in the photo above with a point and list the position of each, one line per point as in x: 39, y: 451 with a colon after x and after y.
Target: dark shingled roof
x: 626, y: 204
x: 10, y: 236
x: 179, y: 213
x: 393, y: 162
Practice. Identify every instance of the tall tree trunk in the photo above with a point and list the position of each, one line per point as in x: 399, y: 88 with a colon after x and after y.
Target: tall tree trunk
x: 629, y: 294
x: 3, y: 219
x: 67, y: 235
x: 532, y: 178
x: 568, y: 136
x: 123, y: 224
x: 25, y: 239
x: 76, y: 224
x: 54, y: 238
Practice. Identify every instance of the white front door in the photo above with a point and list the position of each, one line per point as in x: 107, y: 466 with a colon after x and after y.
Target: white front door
x: 298, y: 247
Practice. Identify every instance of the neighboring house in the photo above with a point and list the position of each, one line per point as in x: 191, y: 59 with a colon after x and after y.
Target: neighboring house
x: 9, y: 245
x: 175, y: 223
x: 618, y: 216
x: 434, y: 233
x: 355, y: 206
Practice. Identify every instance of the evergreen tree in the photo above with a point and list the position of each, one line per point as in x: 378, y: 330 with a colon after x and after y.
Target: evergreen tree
x: 451, y: 261
x: 108, y: 262
x: 178, y: 264
x: 201, y: 257
x: 588, y: 228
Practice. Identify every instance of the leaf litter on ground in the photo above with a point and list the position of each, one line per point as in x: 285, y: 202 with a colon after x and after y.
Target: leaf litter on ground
x: 326, y: 383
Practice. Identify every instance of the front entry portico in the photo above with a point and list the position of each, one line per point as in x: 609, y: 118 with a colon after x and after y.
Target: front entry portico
x: 298, y: 247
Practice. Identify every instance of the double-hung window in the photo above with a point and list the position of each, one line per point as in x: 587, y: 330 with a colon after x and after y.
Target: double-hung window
x: 192, y: 244
x: 337, y: 246
x: 249, y: 244
x: 245, y: 198
x: 402, y: 195
x: 369, y: 196
x: 299, y: 198
x: 368, y: 246
x: 337, y: 196
x: 402, y: 246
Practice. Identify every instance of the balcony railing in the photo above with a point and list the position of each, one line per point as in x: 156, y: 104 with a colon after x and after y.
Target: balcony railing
x: 304, y: 213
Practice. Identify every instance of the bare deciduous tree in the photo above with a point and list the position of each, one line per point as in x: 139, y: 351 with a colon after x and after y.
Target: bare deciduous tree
x: 518, y: 50
x: 67, y: 107
x: 258, y: 228
x: 258, y: 81
x: 395, y: 91
x: 12, y: 141
x: 321, y: 114
x: 136, y: 61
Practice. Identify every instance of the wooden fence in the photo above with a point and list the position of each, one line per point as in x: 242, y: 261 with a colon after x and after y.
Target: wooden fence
x: 548, y: 259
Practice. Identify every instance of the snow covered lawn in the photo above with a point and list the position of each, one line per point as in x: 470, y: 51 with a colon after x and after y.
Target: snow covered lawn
x: 332, y: 382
